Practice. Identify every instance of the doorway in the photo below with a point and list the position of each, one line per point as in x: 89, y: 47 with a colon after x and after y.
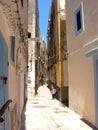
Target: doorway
x: 3, y: 83
x: 96, y: 89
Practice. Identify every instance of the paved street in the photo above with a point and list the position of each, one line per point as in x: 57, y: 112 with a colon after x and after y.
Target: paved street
x: 47, y: 114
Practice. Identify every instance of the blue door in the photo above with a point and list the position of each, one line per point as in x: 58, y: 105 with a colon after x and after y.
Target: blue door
x: 3, y: 83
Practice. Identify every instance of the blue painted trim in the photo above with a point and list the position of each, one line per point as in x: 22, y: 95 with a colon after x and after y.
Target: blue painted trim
x: 4, y: 72
x: 92, y: 52
x: 3, y: 39
x: 80, y: 8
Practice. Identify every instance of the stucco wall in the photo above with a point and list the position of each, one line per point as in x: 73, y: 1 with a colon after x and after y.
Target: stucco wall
x: 81, y: 85
x: 15, y: 83
x: 65, y: 72
x: 90, y: 13
x: 4, y: 27
x: 11, y: 72
x: 81, y: 67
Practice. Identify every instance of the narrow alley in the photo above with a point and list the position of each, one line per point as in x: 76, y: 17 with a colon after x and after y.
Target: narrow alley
x: 43, y: 113
x: 48, y: 65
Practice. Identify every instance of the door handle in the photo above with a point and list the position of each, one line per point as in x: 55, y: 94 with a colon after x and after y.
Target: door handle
x: 4, y: 78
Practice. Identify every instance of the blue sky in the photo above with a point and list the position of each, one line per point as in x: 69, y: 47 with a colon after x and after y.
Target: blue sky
x: 44, y: 8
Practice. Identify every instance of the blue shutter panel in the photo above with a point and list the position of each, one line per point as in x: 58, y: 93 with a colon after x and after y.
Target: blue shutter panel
x: 78, y: 18
x: 13, y: 49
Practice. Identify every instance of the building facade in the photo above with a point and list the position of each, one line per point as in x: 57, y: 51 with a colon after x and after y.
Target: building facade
x: 57, y: 49
x: 13, y: 63
x: 41, y: 67
x: 82, y: 40
x: 33, y: 35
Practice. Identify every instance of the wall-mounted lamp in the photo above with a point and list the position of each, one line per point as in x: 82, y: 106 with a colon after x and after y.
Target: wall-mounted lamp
x: 33, y: 39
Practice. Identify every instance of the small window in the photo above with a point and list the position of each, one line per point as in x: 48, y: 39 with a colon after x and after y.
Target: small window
x: 79, y: 19
x: 29, y: 35
x: 22, y: 3
x: 13, y: 48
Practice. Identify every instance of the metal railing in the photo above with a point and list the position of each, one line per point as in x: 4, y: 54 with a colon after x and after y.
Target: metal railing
x: 3, y: 109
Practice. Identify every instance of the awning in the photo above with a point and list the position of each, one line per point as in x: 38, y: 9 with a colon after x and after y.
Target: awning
x: 92, y: 48
x: 92, y: 52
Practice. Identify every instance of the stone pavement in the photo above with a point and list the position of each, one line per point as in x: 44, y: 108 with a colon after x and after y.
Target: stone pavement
x: 47, y: 114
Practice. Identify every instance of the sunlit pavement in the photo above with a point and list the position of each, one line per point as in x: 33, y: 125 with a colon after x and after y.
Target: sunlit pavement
x: 47, y: 114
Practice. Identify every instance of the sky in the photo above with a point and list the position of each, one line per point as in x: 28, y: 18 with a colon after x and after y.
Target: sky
x: 44, y: 8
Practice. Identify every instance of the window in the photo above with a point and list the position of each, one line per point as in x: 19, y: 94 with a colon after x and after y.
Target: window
x: 22, y: 3
x: 13, y: 48
x: 29, y: 35
x: 79, y: 19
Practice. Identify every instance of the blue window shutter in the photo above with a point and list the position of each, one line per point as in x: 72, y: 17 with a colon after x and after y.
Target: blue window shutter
x: 13, y: 49
x: 78, y: 18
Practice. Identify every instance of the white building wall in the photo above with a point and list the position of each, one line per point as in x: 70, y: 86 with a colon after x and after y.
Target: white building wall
x: 15, y: 83
x: 32, y: 28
